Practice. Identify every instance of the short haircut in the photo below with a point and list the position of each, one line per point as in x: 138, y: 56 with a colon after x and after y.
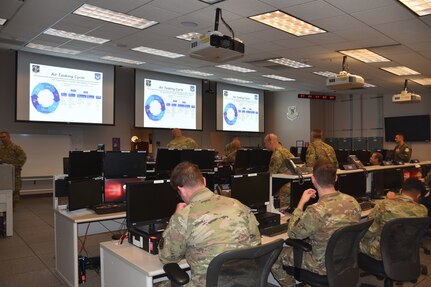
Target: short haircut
x: 325, y: 173
x: 379, y: 156
x: 401, y: 135
x: 414, y: 185
x: 186, y: 174
x: 316, y: 134
x: 4, y: 132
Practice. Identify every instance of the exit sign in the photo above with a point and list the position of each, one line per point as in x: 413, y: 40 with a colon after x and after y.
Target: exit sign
x: 316, y: 97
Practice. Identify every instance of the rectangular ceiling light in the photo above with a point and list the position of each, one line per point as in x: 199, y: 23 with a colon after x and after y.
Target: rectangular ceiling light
x: 272, y: 87
x: 113, y: 17
x: 122, y: 60
x: 75, y: 36
x: 157, y: 52
x: 280, y: 78
x: 196, y: 73
x: 52, y: 49
x: 422, y: 81
x: 189, y: 36
x: 283, y: 21
x: 237, y: 80
x: 420, y: 7
x: 365, y: 55
x: 2, y: 21
x: 235, y: 68
x: 325, y: 74
x: 289, y: 63
x: 400, y: 71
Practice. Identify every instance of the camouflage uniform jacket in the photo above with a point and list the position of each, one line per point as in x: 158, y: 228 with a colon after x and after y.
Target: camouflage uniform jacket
x: 208, y: 226
x: 277, y: 164
x: 320, y: 150
x: 182, y: 142
x: 15, y: 155
x: 385, y: 210
x: 404, y: 154
x: 320, y: 220
x: 229, y: 148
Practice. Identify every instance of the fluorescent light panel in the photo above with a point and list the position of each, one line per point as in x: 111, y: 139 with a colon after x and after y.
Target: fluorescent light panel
x: 189, y: 36
x: 196, y: 73
x: 422, y: 81
x: 289, y: 63
x: 52, y: 49
x: 75, y: 36
x: 113, y: 17
x: 400, y: 71
x: 365, y: 55
x: 235, y: 68
x: 157, y: 52
x: 280, y: 78
x: 283, y: 21
x: 122, y: 60
x: 272, y: 87
x: 325, y: 74
x: 237, y: 80
x: 420, y: 7
x: 2, y: 21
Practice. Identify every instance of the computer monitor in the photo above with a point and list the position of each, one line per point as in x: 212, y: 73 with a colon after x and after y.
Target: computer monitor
x: 85, y: 164
x: 297, y: 188
x: 386, y: 180
x: 412, y: 172
x: 210, y: 179
x: 65, y: 165
x: 204, y: 158
x: 252, y: 161
x: 354, y: 184
x: 84, y: 193
x: 115, y: 189
x: 127, y: 164
x: 150, y: 203
x: 342, y: 156
x: 362, y: 155
x: 242, y: 161
x: 251, y: 189
x: 166, y: 160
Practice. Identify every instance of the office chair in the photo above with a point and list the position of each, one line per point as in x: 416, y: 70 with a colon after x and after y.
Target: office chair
x: 399, y: 246
x: 245, y: 267
x: 341, y: 258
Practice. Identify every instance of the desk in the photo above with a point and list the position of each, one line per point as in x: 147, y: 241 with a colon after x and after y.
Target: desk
x: 66, y: 231
x: 6, y: 205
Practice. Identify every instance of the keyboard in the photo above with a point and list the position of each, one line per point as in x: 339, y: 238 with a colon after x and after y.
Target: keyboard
x: 366, y: 205
x: 274, y: 230
x: 105, y: 208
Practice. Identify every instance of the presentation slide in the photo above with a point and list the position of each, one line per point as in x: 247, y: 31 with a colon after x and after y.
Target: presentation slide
x: 60, y: 90
x: 169, y: 104
x: 240, y: 111
x: 62, y: 94
x: 167, y: 101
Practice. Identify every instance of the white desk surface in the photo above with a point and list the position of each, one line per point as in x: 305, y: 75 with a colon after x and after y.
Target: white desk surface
x: 88, y: 215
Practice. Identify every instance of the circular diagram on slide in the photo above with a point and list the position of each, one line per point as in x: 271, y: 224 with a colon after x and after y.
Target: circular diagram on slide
x: 155, y: 108
x: 45, y: 98
x: 230, y: 114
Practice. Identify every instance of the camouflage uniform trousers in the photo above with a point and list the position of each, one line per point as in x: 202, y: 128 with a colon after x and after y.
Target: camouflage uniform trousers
x: 286, y: 259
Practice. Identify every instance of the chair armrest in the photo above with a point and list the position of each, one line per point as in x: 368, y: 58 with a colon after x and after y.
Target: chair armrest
x: 176, y: 274
x: 298, y: 244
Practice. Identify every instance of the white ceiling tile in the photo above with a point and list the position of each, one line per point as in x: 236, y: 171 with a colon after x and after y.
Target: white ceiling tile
x: 314, y: 10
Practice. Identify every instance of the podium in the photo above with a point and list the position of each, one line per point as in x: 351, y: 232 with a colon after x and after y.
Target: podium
x: 7, y: 185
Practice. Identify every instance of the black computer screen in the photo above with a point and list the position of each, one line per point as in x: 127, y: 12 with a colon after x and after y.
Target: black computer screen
x: 150, y: 202
x: 115, y: 189
x: 65, y: 165
x: 251, y: 189
x: 127, y: 164
x: 84, y: 193
x: 167, y: 159
x: 252, y: 161
x: 354, y: 184
x: 204, y: 158
x: 242, y: 161
x: 386, y: 180
x: 342, y: 155
x: 85, y: 164
x: 297, y: 188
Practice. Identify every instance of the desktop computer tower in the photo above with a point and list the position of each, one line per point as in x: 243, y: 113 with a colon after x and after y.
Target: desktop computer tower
x: 143, y: 240
x: 267, y: 219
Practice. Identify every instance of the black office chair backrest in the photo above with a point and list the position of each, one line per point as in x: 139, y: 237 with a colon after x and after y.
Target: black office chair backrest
x: 341, y: 257
x: 247, y: 267
x: 399, y: 245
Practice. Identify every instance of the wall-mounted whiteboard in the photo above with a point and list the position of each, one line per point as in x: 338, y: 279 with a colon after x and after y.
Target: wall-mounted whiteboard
x: 44, y: 153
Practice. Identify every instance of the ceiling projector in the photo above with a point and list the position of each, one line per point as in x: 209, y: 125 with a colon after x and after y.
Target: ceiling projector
x: 405, y: 96
x: 216, y: 47
x: 344, y: 81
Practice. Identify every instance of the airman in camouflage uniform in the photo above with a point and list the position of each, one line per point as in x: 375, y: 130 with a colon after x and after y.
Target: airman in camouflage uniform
x: 180, y: 141
x: 12, y: 154
x: 402, y: 152
x: 205, y: 225
x: 277, y: 164
x: 333, y: 211
x: 230, y: 150
x: 404, y: 205
x: 319, y: 150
